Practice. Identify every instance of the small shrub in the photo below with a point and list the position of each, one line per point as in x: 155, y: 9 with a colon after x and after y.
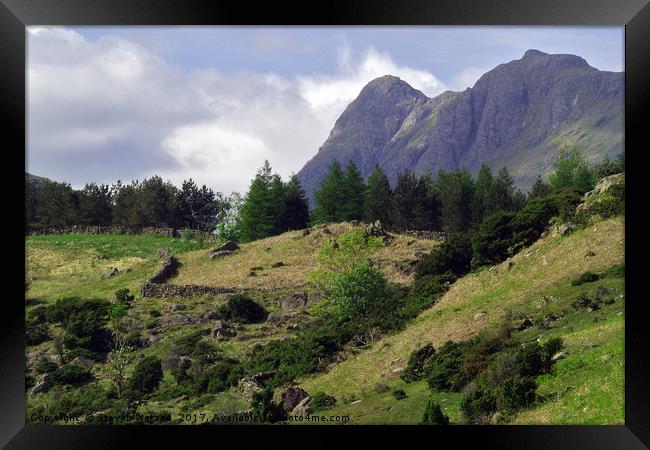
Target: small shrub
x: 444, y: 369
x: 146, y: 377
x: 381, y: 388
x: 320, y: 400
x: 583, y: 301
x: 515, y: 393
x: 117, y: 311
x: 45, y: 365
x: 478, y: 404
x: 35, y: 333
x: 414, y: 370
x: 423, y: 293
x: 433, y: 414
x: 83, y: 321
x: 217, y: 378
x: 85, y: 399
x: 72, y: 374
x: 454, y: 255
x: 241, y: 308
x: 36, y: 315
x: 494, y: 237
x: 155, y: 313
x: 360, y: 292
x: 587, y: 277
x: 612, y: 204
x: 265, y: 410
x: 399, y: 394
x: 123, y: 296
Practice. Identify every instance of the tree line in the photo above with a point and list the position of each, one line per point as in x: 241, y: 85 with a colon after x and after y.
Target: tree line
x: 453, y: 201
x: 151, y: 202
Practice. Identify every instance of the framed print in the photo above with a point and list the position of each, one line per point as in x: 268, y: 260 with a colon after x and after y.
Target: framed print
x: 402, y: 218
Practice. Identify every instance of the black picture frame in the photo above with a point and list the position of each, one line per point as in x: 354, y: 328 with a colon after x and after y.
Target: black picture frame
x: 634, y: 15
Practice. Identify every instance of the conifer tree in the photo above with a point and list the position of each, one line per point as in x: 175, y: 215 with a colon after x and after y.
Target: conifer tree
x: 500, y: 196
x: 377, y: 202
x: 455, y: 191
x: 539, y: 189
x: 404, y: 200
x: 295, y: 211
x: 329, y: 196
x: 259, y: 212
x: 433, y: 415
x: 483, y: 185
x: 427, y: 205
x: 353, y: 190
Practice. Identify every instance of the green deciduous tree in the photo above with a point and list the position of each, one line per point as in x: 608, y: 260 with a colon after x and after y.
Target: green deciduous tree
x: 571, y: 171
x: 95, y: 205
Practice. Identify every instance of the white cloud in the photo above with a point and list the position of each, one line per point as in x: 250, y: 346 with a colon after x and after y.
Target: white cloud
x: 110, y: 108
x: 328, y: 95
x: 466, y: 78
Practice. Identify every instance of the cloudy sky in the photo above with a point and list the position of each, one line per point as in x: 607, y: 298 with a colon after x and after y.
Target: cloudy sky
x: 211, y: 103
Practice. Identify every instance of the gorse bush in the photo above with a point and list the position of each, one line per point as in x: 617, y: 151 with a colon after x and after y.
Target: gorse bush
x: 123, y: 296
x: 241, y: 308
x: 83, y: 321
x: 494, y: 237
x: 35, y: 333
x: 586, y: 277
x: 508, y: 383
x: 320, y: 401
x: 423, y: 293
x: 502, y: 234
x: 414, y: 370
x: 146, y: 376
x: 399, y: 394
x: 612, y: 203
x: 454, y: 255
x: 45, y: 365
x: 265, y: 410
x: 70, y: 374
x: 433, y: 415
x: 444, y: 369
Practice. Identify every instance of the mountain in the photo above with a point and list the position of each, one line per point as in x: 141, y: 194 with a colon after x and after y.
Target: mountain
x: 517, y: 115
x: 36, y: 181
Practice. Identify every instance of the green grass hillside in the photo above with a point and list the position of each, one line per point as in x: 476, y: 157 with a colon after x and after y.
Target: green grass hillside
x: 586, y: 386
x: 296, y: 252
x: 72, y: 264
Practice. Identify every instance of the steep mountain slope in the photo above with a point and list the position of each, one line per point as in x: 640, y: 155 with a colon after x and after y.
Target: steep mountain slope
x: 517, y: 115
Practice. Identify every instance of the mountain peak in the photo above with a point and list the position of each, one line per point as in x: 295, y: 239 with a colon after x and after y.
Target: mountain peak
x: 536, y: 57
x: 533, y: 53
